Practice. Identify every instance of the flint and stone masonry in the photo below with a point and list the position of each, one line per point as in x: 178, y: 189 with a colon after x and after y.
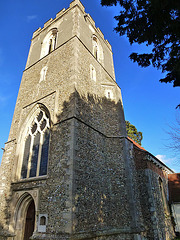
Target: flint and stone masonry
x: 68, y: 170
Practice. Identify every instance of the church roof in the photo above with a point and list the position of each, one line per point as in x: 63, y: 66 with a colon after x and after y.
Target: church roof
x: 174, y: 187
x: 151, y: 157
x: 136, y: 144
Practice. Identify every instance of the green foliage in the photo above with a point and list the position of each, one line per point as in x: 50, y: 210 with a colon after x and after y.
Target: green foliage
x: 156, y: 23
x: 133, y: 133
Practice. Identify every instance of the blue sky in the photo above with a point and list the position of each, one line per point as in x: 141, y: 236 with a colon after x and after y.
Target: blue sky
x: 148, y: 104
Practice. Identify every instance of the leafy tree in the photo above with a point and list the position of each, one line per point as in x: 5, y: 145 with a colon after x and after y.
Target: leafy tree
x: 156, y: 23
x: 133, y: 133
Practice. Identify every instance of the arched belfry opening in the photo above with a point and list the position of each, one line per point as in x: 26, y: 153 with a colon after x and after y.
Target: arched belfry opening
x: 97, y: 49
x: 25, y: 217
x: 49, y: 42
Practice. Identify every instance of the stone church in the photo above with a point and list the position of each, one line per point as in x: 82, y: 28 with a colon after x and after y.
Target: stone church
x: 69, y: 171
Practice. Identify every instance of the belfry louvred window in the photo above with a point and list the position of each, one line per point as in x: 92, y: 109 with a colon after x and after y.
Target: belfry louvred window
x: 97, y: 49
x: 49, y: 42
x: 35, y: 157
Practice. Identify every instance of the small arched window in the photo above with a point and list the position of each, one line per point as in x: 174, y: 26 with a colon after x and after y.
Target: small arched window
x: 43, y: 220
x: 109, y: 94
x: 43, y: 74
x: 35, y: 157
x: 49, y: 42
x: 92, y: 73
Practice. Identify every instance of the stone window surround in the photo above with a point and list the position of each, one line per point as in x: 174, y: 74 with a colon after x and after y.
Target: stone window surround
x: 43, y: 73
x: 49, y: 42
x: 32, y: 134
x: 109, y: 93
x: 42, y: 225
x: 21, y: 140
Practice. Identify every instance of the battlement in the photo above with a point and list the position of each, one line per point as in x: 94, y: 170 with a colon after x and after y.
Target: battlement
x: 60, y: 13
x: 77, y: 2
x: 63, y: 12
x: 46, y: 24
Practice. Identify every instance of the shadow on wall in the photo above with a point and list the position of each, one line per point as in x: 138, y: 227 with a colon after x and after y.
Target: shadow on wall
x: 104, y: 114
x: 99, y: 164
x: 104, y: 118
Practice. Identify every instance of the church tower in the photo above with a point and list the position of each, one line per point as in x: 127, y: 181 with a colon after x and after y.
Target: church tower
x: 67, y: 171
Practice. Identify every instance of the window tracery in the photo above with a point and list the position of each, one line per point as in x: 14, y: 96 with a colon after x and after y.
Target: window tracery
x: 35, y: 157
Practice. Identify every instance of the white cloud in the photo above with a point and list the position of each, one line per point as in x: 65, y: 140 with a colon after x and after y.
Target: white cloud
x: 173, y: 163
x: 31, y: 17
x: 165, y: 159
x: 3, y: 99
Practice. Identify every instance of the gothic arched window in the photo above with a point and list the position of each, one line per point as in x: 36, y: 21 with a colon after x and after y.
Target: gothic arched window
x: 49, y: 42
x: 35, y: 157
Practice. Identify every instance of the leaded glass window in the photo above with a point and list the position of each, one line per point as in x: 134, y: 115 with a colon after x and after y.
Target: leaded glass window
x: 36, y: 147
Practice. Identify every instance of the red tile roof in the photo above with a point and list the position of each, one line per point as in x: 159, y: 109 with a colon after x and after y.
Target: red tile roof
x: 136, y: 144
x: 174, y: 187
x: 143, y: 149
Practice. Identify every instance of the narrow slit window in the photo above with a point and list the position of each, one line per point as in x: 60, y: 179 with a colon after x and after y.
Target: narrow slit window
x: 43, y: 74
x: 92, y: 73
